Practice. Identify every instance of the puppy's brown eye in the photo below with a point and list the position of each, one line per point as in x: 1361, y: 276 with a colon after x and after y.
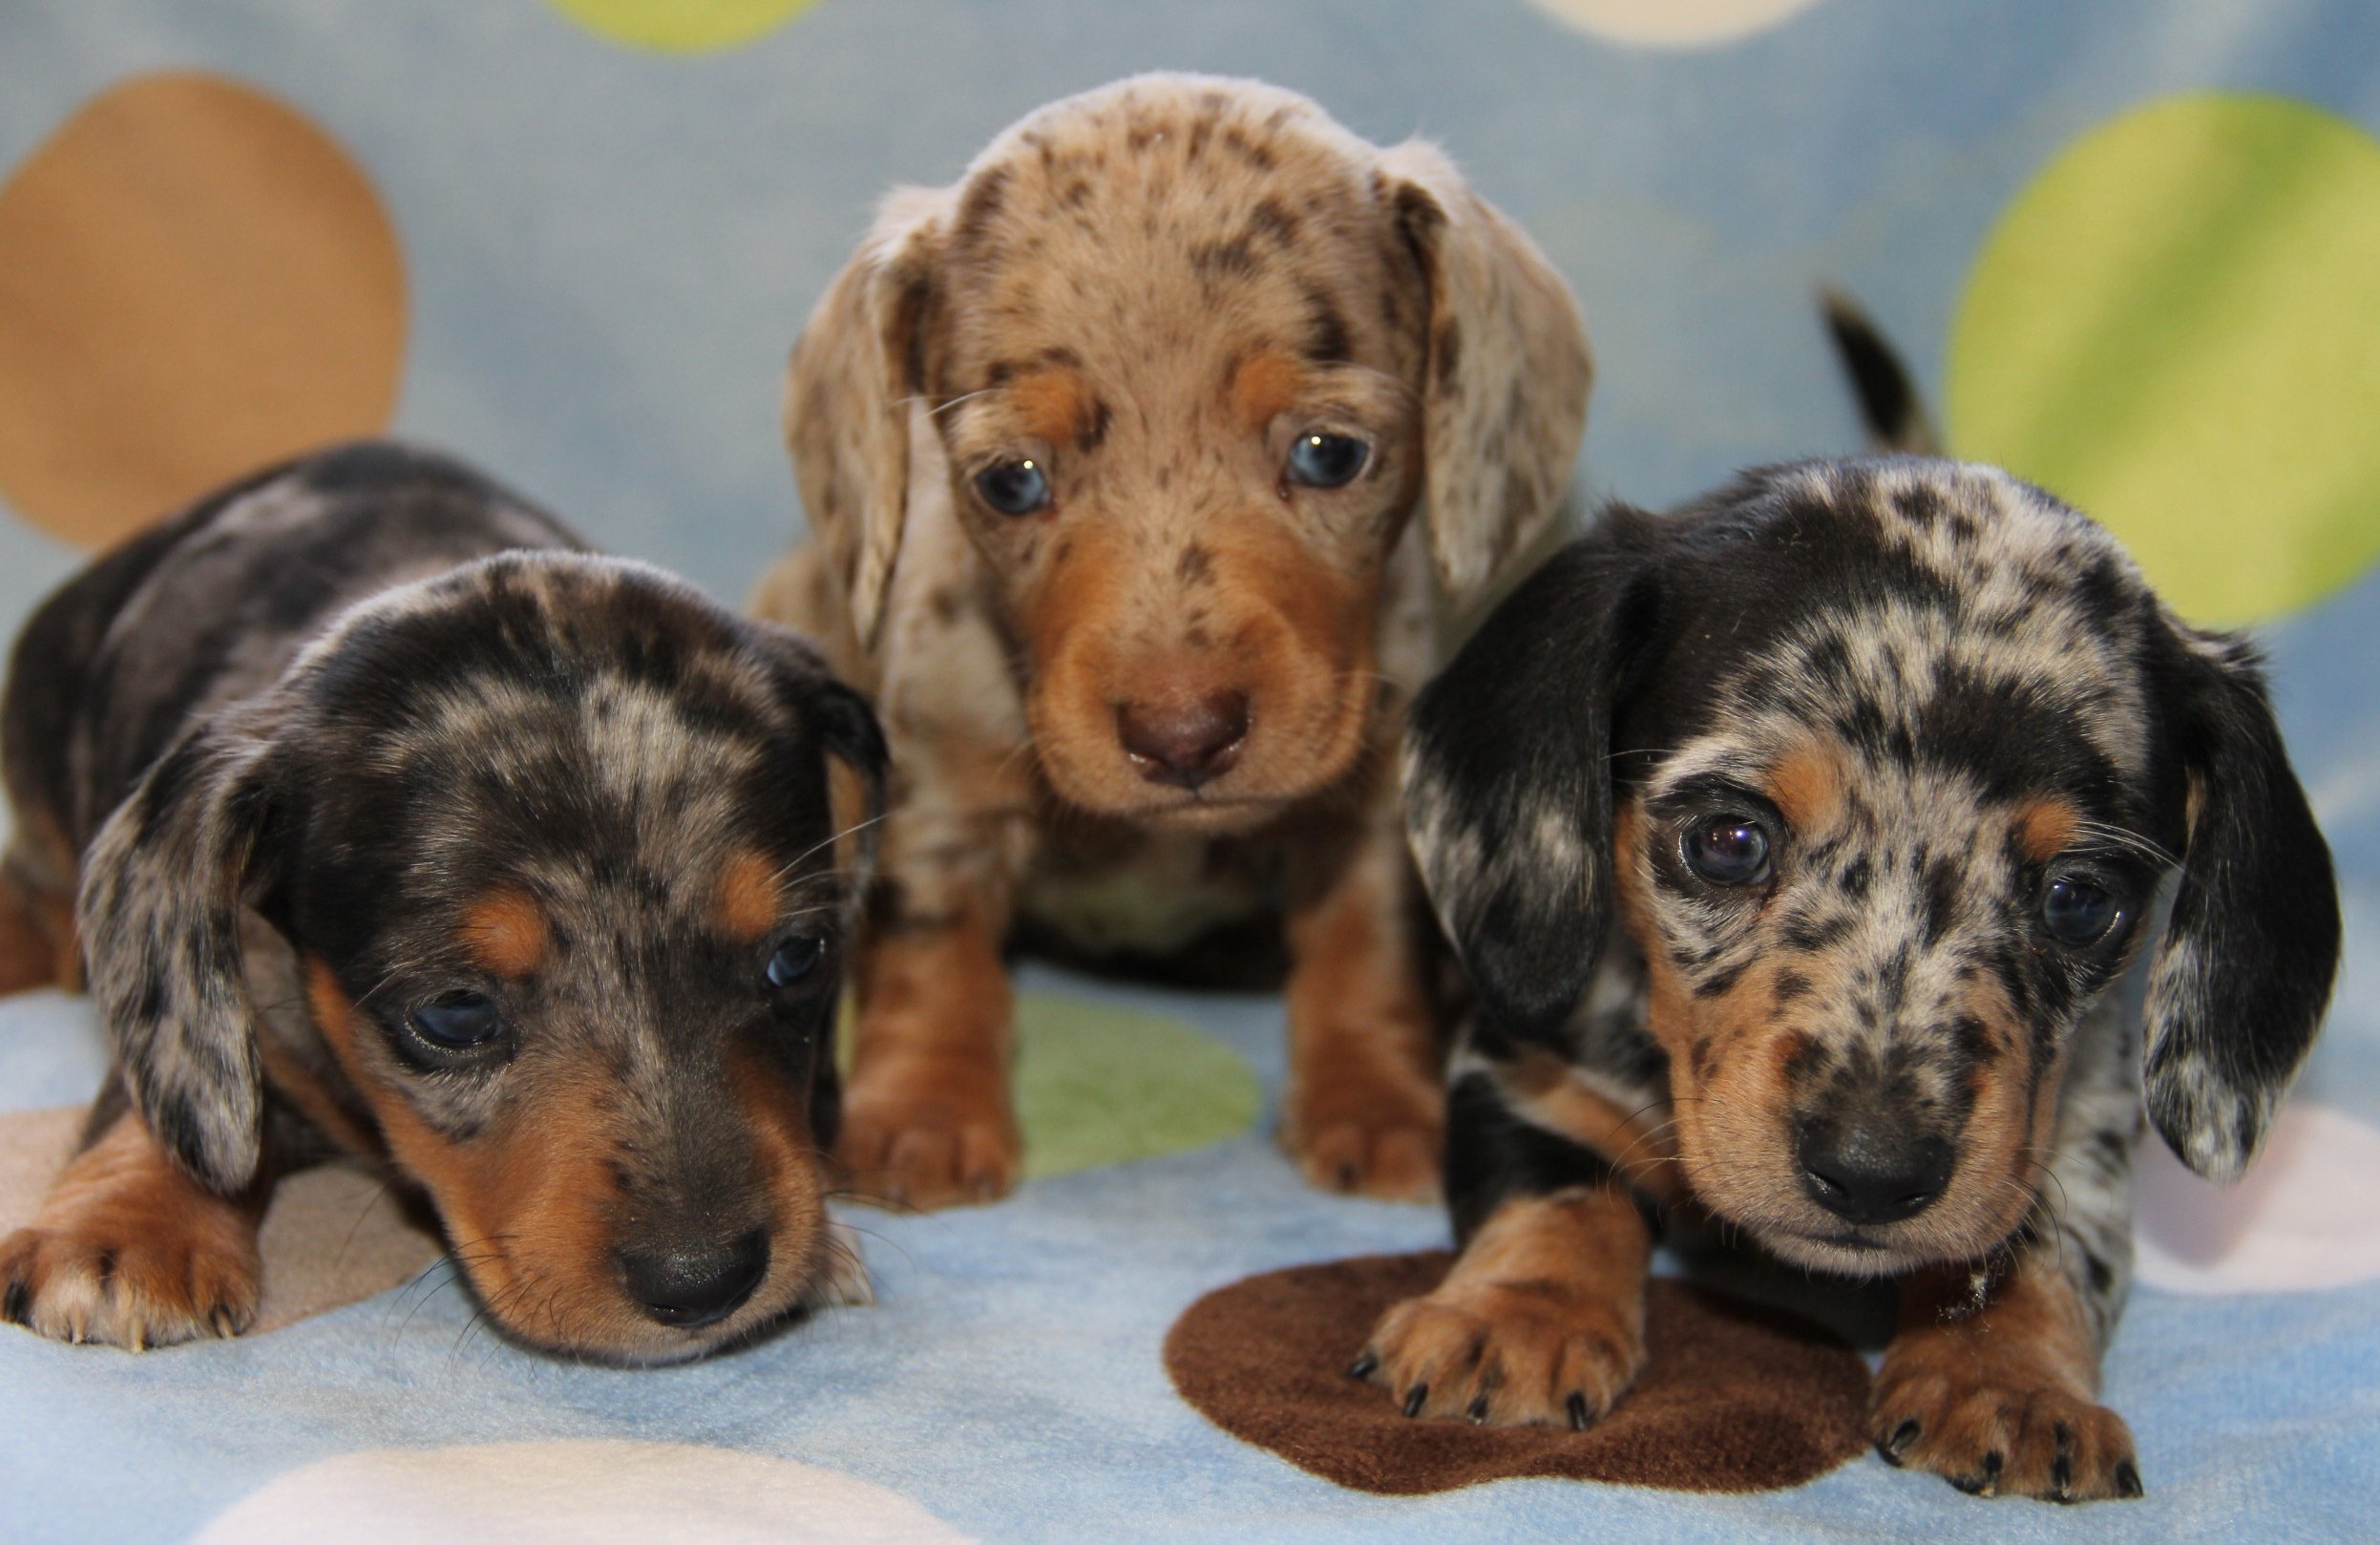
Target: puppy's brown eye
x: 1014, y: 487
x: 1320, y: 461
x: 794, y: 959
x: 458, y: 1020
x: 2078, y: 911
x: 1727, y: 850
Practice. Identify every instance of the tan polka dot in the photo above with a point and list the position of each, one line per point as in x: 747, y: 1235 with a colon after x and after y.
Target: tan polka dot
x: 194, y: 282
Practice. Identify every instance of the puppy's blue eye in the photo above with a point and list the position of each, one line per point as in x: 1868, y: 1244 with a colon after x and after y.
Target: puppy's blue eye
x: 1014, y: 487
x: 457, y: 1020
x: 1320, y: 461
x: 794, y: 959
x: 2076, y: 912
x: 1728, y: 850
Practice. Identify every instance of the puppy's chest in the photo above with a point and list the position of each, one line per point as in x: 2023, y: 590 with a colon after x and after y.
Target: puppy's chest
x: 1139, y: 892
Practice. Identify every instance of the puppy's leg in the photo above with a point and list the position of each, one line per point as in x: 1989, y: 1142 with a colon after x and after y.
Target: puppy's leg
x: 37, y: 940
x: 1541, y: 1318
x: 1997, y: 1390
x: 128, y: 1250
x: 2002, y: 1399
x: 29, y: 956
x: 927, y: 1120
x: 1366, y: 1109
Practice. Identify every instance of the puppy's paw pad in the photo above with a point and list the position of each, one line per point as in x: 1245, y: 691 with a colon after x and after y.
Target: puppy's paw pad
x: 135, y: 1286
x: 1394, y: 1163
x: 928, y: 1156
x: 1371, y: 1136
x: 1504, y: 1356
x: 2009, y: 1438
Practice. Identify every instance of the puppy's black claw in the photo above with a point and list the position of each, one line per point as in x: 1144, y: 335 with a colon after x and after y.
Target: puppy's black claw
x: 2128, y: 1479
x: 1364, y: 1367
x: 1576, y: 1407
x: 1414, y: 1398
x: 17, y: 1308
x: 1898, y: 1442
x: 1478, y: 1410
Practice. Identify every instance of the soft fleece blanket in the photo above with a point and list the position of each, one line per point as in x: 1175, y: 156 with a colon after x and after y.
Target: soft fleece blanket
x: 2132, y: 249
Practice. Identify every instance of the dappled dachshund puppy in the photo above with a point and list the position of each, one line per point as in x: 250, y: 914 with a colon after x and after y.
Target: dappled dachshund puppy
x: 1136, y: 461
x: 404, y: 828
x: 1795, y: 843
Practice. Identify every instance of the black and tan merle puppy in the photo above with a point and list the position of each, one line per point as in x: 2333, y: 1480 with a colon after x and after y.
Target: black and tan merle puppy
x: 1795, y: 843
x: 404, y: 827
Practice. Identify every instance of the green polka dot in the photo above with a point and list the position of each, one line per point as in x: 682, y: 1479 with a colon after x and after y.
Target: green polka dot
x: 1097, y: 1085
x: 2177, y: 326
x: 682, y: 26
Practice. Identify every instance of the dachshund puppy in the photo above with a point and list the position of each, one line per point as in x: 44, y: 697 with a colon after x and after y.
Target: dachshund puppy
x: 1137, y: 461
x: 404, y: 828
x: 1795, y: 843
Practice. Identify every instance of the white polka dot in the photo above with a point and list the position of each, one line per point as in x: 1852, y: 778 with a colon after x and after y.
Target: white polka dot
x: 592, y: 1491
x: 2306, y: 1215
x: 1673, y: 24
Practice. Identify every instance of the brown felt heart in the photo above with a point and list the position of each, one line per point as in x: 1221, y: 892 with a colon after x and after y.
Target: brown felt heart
x: 1735, y: 1397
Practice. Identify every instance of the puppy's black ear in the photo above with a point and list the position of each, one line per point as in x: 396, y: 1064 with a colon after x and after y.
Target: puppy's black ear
x: 2239, y: 982
x: 842, y: 720
x: 1508, y: 779
x: 162, y: 889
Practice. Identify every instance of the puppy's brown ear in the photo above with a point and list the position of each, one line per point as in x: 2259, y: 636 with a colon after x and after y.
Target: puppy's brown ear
x: 159, y: 913
x: 2239, y: 982
x: 1508, y: 372
x: 1507, y: 781
x: 847, y: 393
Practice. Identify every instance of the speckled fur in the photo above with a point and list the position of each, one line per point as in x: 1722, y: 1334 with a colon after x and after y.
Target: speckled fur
x: 367, y: 730
x: 1938, y: 689
x: 1151, y: 289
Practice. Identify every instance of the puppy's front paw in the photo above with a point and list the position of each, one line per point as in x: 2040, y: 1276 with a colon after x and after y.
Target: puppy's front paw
x: 1507, y: 1354
x: 115, y: 1268
x: 1993, y: 1432
x: 929, y: 1135
x: 1374, y: 1133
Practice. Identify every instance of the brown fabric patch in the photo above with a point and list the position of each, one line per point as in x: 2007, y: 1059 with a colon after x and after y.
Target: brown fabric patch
x: 1737, y: 1397
x: 333, y: 1236
x: 195, y: 281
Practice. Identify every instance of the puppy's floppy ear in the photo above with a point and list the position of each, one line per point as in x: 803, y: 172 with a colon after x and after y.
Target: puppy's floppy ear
x: 2239, y: 982
x: 1505, y: 400
x: 848, y: 395
x: 841, y: 718
x: 1507, y: 780
x: 162, y: 890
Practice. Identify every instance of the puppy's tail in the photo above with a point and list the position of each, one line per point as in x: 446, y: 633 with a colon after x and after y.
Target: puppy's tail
x: 1890, y: 405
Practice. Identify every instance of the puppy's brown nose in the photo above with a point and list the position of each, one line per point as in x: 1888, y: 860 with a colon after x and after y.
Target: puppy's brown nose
x: 1183, y: 743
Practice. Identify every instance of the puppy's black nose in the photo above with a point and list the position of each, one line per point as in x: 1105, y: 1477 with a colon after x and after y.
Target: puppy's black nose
x: 689, y: 1288
x: 1865, y: 1172
x: 1188, y: 743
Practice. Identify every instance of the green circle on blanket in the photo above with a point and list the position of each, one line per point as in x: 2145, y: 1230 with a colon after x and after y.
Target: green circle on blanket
x: 2173, y: 328
x: 1098, y: 1085
x: 682, y: 26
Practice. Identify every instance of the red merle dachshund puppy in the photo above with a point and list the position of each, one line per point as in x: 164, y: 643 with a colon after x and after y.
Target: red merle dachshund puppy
x: 387, y: 821
x: 1795, y: 843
